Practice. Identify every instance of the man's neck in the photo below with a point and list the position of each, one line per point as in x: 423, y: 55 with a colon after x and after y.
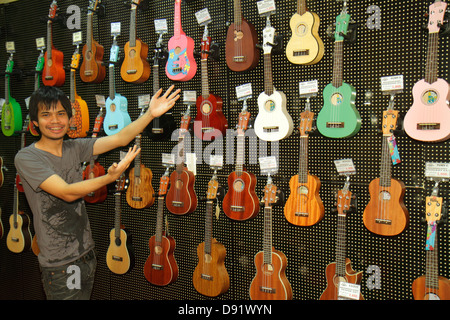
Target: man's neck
x: 52, y: 146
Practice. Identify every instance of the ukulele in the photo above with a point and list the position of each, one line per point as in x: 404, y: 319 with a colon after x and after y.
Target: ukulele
x: 241, y: 202
x: 140, y: 192
x: 304, y: 206
x: 341, y: 270
x: 37, y: 80
x: 161, y: 268
x: 241, y: 53
x: 160, y: 128
x: 432, y: 286
x: 79, y: 123
x: 429, y: 117
x: 181, y: 197
x: 135, y: 67
x: 338, y: 117
x: 92, y: 69
x: 94, y: 168
x: 305, y: 46
x: 120, y: 254
x: 273, y: 121
x: 53, y: 73
x: 209, y: 106
x: 386, y: 214
x: 270, y: 282
x: 117, y: 116
x: 11, y: 110
x: 180, y: 65
x: 210, y: 276
x: 19, y: 236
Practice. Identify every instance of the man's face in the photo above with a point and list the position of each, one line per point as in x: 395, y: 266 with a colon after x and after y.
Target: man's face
x: 53, y: 123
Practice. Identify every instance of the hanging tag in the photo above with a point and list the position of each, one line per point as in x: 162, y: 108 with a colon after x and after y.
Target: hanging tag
x: 217, y: 210
x: 393, y: 150
x: 431, y: 235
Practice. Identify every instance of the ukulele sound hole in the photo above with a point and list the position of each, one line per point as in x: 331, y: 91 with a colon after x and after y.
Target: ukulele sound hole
x: 238, y: 185
x: 301, y: 30
x: 384, y: 196
x: 158, y: 250
x: 336, y: 99
x: 112, y: 107
x: 179, y: 184
x: 430, y: 97
x: 206, y: 108
x: 269, y: 105
x: 337, y: 280
x: 431, y: 296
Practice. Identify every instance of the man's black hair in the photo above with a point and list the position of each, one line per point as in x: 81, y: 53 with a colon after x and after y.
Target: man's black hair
x: 48, y: 97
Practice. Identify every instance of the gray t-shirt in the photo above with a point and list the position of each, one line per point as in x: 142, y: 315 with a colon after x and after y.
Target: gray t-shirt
x: 62, y: 229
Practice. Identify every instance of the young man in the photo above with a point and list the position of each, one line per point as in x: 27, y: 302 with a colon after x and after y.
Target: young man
x: 51, y: 173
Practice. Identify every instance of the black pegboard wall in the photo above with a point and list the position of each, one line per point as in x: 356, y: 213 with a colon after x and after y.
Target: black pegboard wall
x: 398, y: 47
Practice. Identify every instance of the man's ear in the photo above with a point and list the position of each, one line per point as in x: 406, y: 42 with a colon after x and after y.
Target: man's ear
x: 35, y: 123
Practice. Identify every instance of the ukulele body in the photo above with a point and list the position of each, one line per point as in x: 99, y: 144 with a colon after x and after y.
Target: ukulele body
x: 19, y: 236
x: 92, y: 69
x: 332, y: 289
x: 421, y: 292
x: 240, y: 50
x: 181, y: 65
x: 210, y: 123
x: 120, y: 256
x: 11, y: 117
x: 79, y: 123
x: 181, y: 197
x: 140, y: 193
x: 135, y: 67
x: 117, y: 116
x: 386, y: 214
x: 91, y: 172
x: 241, y: 202
x: 210, y: 276
x: 161, y: 268
x: 53, y: 74
x: 304, y: 206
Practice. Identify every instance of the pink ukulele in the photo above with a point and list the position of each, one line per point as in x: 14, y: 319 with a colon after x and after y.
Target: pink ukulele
x: 429, y: 117
x: 181, y: 65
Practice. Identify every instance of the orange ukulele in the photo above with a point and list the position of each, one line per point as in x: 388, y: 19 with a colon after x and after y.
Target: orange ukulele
x: 432, y: 286
x: 270, y: 282
x: 79, y: 123
x: 181, y: 197
x: 213, y: 123
x: 241, y: 202
x: 140, y: 193
x: 386, y: 214
x: 135, y: 67
x: 241, y: 53
x: 341, y: 270
x: 304, y: 206
x: 92, y: 69
x: 94, y: 168
x: 161, y: 267
x: 210, y: 277
x: 53, y: 73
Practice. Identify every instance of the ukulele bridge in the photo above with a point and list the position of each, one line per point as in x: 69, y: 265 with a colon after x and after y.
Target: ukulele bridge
x: 428, y: 126
x: 267, y: 289
x: 15, y: 239
x: 178, y: 204
x: 131, y: 71
x: 301, y: 53
x: 271, y: 129
x: 238, y: 58
x: 206, y: 277
x: 302, y: 214
x: 117, y: 258
x: 335, y: 124
x: 157, y: 267
x: 383, y: 221
x: 237, y: 208
x: 207, y: 129
x: 48, y: 77
x: 157, y: 130
x: 88, y: 73
x: 113, y: 127
x: 137, y: 198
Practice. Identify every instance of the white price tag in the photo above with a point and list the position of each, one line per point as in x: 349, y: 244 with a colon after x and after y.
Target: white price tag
x: 345, y: 166
x: 348, y: 291
x: 392, y: 83
x: 168, y: 158
x: 161, y: 25
x: 115, y: 28
x: 191, y: 162
x: 189, y: 96
x: 244, y: 90
x: 100, y: 99
x: 77, y: 37
x: 143, y: 100
x: 203, y: 16
x: 10, y: 47
x: 216, y: 160
x: 27, y: 102
x: 437, y: 170
x: 40, y: 43
x: 265, y: 6
x: 268, y: 164
x: 308, y: 87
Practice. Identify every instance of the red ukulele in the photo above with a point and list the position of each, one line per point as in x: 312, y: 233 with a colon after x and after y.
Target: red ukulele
x: 53, y: 73
x: 161, y: 267
x: 181, y: 197
x: 241, y: 201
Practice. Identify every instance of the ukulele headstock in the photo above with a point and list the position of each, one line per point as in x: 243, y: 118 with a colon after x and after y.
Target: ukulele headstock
x: 53, y: 9
x: 121, y: 184
x: 163, y: 183
x: 306, y: 122
x: 213, y: 186
x: 390, y: 118
x: 270, y: 194
x: 436, y: 12
x: 433, y: 209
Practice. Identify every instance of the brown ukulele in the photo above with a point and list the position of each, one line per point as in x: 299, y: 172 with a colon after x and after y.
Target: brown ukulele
x: 210, y: 276
x: 181, y: 197
x: 386, y: 214
x: 241, y: 202
x: 432, y: 286
x: 19, y: 236
x: 161, y: 268
x: 304, y: 206
x: 94, y: 168
x: 241, y: 53
x: 140, y: 192
x: 135, y: 67
x: 341, y: 270
x: 270, y: 282
x: 92, y: 69
x: 53, y: 73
